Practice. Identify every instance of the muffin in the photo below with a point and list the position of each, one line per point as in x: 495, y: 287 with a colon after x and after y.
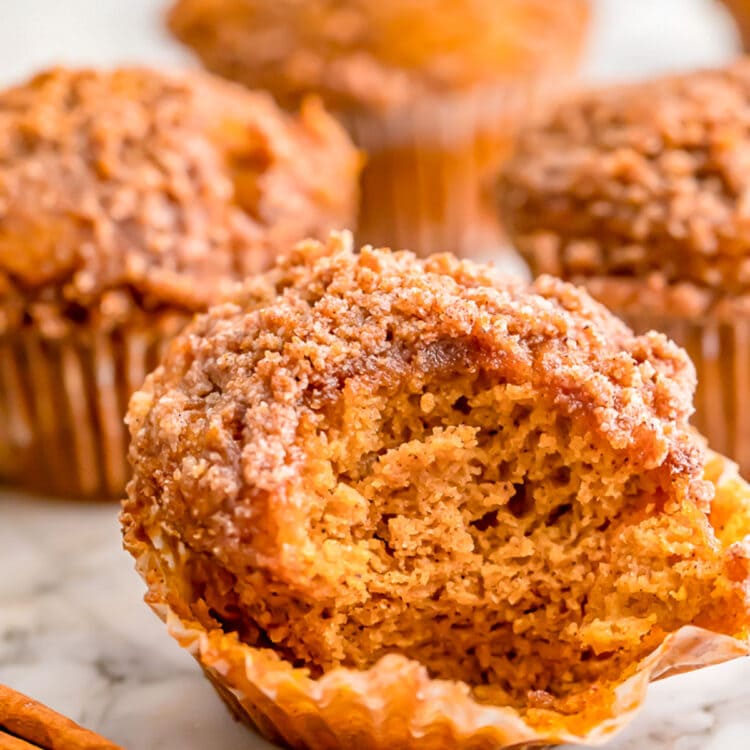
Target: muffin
x: 392, y: 503
x: 641, y: 194
x: 433, y: 92
x: 128, y: 201
x: 740, y: 9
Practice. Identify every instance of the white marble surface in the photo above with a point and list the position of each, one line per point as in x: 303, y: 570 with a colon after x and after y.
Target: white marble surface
x: 75, y: 634
x: 73, y: 630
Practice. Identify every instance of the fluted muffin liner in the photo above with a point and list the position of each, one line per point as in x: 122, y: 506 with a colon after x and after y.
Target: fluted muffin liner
x: 62, y: 404
x: 395, y: 704
x: 428, y: 165
x: 428, y: 180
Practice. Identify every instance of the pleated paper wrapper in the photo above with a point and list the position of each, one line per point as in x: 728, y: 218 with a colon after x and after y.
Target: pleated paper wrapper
x: 63, y: 401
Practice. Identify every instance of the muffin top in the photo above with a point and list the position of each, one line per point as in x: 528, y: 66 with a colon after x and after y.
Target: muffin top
x: 355, y: 457
x: 324, y: 313
x: 134, y: 190
x: 647, y: 186
x: 378, y: 54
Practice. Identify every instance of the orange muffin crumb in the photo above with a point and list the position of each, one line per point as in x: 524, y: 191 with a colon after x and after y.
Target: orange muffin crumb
x: 372, y: 454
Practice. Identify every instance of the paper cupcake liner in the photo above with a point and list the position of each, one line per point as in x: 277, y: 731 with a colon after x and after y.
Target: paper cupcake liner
x: 720, y: 351
x: 428, y: 181
x: 394, y: 704
x: 62, y: 405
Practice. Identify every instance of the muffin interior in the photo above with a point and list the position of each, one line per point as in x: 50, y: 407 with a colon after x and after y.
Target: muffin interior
x: 466, y: 523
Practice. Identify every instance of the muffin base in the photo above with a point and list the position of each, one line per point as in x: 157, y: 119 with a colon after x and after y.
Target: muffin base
x: 62, y: 406
x: 427, y: 182
x: 395, y: 703
x: 740, y: 9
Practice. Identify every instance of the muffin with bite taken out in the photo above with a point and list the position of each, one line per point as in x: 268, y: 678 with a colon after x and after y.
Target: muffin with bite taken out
x: 418, y: 504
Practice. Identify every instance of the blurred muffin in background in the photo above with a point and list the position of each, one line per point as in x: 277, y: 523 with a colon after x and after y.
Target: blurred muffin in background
x: 741, y: 11
x: 433, y: 91
x: 642, y: 194
x: 128, y: 201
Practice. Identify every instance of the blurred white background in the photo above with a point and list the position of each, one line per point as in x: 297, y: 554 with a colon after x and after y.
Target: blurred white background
x: 632, y: 37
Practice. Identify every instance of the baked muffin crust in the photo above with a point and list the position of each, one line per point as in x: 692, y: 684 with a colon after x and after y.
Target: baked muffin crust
x: 369, y: 454
x: 132, y: 189
x: 641, y: 192
x: 379, y: 54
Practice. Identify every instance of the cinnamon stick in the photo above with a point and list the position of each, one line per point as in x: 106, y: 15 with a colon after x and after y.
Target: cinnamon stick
x: 26, y: 724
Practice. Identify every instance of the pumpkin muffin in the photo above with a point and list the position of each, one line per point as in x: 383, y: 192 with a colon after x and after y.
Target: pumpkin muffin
x: 641, y: 194
x: 432, y: 90
x: 391, y: 503
x: 128, y: 201
x: 740, y: 9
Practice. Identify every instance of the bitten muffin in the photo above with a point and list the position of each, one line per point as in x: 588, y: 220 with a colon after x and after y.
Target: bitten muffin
x: 398, y: 503
x: 641, y: 194
x: 128, y: 201
x: 432, y: 90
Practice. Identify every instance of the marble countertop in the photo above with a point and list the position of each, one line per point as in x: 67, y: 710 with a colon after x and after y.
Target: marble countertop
x: 74, y: 632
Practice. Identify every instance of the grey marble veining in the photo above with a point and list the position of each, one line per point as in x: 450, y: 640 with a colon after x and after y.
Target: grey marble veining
x: 74, y: 632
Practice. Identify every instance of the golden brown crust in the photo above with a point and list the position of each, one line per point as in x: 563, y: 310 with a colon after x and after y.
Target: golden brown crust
x: 324, y: 453
x: 359, y: 53
x: 371, y: 308
x: 30, y: 720
x: 549, y: 333
x: 133, y: 189
x: 646, y: 182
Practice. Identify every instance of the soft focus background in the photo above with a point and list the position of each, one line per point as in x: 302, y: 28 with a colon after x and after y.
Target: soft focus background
x: 72, y: 629
x: 632, y: 37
